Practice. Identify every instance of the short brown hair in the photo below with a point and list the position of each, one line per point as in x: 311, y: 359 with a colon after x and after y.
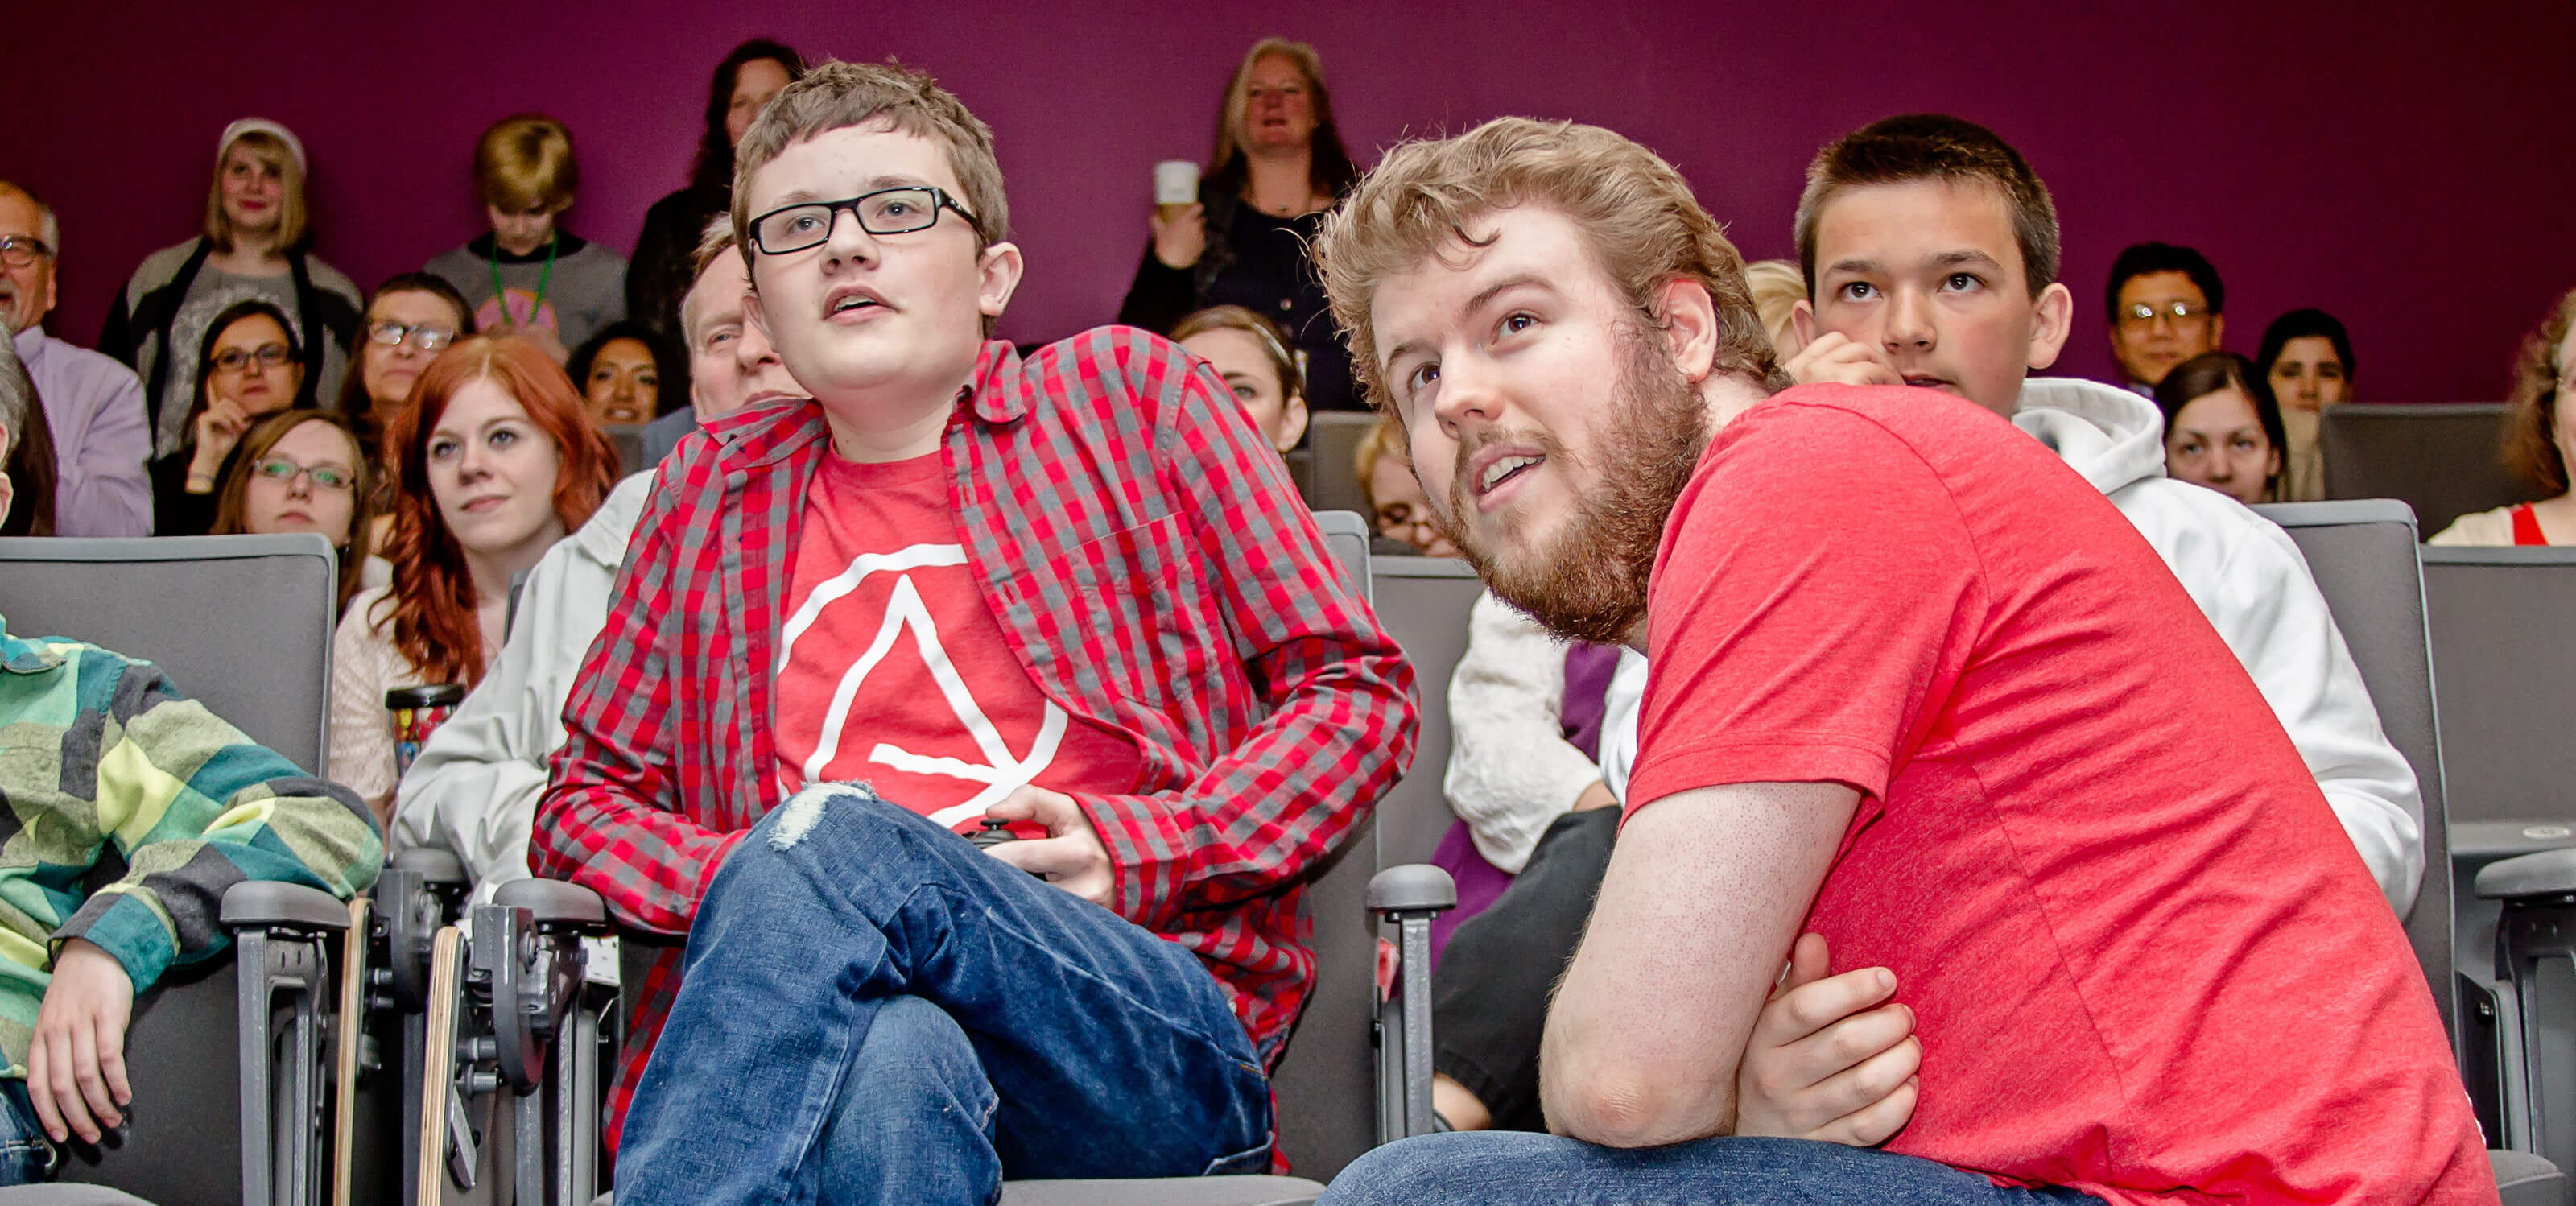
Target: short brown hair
x: 1933, y: 146
x: 274, y: 153
x: 2531, y: 428
x: 835, y: 95
x: 1635, y: 210
x: 525, y: 162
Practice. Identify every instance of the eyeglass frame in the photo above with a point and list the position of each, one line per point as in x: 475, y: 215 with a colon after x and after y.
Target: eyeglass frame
x: 405, y: 332
x: 257, y: 356
x: 939, y: 200
x: 258, y: 470
x: 36, y: 247
x: 2178, y: 312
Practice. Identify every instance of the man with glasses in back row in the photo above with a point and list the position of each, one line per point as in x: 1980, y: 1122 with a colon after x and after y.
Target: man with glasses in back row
x: 1072, y: 597
x: 2167, y: 305
x: 93, y: 404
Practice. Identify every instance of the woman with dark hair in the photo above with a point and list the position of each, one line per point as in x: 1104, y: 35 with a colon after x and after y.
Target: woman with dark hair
x: 248, y: 366
x: 627, y: 372
x: 495, y: 459
x: 26, y: 450
x: 2222, y: 427
x: 300, y: 471
x: 255, y: 231
x: 1278, y: 165
x: 2307, y: 359
x: 2539, y: 442
x: 659, y: 275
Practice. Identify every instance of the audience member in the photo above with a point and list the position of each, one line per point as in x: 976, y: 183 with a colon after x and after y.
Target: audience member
x: 257, y: 226
x: 27, y: 462
x: 496, y: 458
x: 2538, y: 442
x: 93, y: 405
x: 2167, y: 305
x: 1189, y: 762
x: 248, y: 367
x: 620, y: 372
x: 473, y: 790
x: 2307, y: 358
x: 1278, y: 165
x: 1394, y: 495
x: 301, y: 471
x: 411, y: 319
x: 527, y: 275
x: 1777, y: 287
x: 663, y: 266
x: 1251, y: 353
x: 2053, y: 748
x: 731, y: 363
x: 2222, y: 427
x: 106, y: 759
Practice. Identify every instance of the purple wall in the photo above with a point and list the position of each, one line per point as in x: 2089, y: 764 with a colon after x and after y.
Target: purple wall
x: 2403, y: 166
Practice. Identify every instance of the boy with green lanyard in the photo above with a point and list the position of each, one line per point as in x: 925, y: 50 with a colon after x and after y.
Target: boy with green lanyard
x: 528, y: 274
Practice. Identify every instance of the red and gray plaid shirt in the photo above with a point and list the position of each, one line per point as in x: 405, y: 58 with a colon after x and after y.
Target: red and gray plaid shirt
x: 1155, y: 573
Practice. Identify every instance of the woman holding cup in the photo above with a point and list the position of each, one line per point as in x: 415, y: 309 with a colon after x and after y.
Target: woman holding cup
x: 496, y: 458
x: 1239, y: 235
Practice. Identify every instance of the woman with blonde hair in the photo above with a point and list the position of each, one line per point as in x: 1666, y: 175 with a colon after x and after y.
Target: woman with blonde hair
x: 497, y: 458
x: 251, y: 248
x: 1278, y: 165
x: 1251, y: 354
x: 1777, y: 287
x: 2539, y: 442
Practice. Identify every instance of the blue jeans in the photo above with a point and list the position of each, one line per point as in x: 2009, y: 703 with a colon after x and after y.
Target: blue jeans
x: 1508, y: 1168
x: 872, y: 1009
x: 26, y: 1156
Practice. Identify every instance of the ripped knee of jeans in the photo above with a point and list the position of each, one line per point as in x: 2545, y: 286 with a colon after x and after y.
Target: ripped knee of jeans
x: 804, y: 810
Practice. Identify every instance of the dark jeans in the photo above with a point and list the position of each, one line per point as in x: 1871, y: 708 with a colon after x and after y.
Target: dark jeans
x: 874, y: 1010
x: 1506, y: 1168
x: 26, y: 1156
x: 1489, y: 1002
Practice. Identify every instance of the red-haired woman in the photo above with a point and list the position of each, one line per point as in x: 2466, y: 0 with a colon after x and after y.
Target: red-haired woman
x: 497, y: 458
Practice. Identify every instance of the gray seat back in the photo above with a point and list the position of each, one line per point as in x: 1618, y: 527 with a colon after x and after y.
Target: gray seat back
x: 1332, y: 441
x: 1326, y: 1079
x: 241, y: 623
x: 2507, y: 680
x: 2441, y: 458
x: 1423, y: 601
x: 2362, y: 554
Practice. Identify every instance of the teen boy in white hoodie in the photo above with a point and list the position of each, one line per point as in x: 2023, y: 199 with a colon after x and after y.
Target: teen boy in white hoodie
x: 1930, y: 249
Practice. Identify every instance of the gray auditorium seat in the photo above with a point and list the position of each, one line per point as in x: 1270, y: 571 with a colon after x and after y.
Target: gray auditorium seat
x: 1332, y: 440
x: 242, y: 623
x: 1423, y: 602
x: 67, y: 1195
x: 2363, y: 556
x: 2441, y: 458
x: 628, y: 438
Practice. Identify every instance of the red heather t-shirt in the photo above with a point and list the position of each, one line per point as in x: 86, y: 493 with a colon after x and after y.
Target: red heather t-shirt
x: 893, y: 672
x: 2144, y: 959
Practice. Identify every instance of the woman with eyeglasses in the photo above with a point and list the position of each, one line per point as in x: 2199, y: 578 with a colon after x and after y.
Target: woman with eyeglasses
x: 411, y: 319
x: 1278, y: 165
x: 300, y: 471
x: 495, y: 458
x: 1397, y: 505
x: 252, y: 247
x: 249, y: 366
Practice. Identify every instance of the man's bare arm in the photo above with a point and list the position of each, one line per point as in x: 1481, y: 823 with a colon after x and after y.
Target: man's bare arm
x: 1705, y: 893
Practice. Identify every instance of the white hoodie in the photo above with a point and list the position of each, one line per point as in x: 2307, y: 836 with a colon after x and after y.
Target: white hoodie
x: 2248, y: 577
x: 473, y: 790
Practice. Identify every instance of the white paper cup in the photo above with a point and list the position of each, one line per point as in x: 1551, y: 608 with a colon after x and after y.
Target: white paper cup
x: 1176, y: 182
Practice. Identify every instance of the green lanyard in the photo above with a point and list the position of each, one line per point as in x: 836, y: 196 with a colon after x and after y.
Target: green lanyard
x: 544, y: 275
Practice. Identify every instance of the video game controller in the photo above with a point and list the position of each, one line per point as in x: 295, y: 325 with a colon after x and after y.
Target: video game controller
x: 995, y: 832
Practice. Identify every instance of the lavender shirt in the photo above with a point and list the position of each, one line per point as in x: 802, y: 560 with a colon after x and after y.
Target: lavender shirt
x: 94, y: 406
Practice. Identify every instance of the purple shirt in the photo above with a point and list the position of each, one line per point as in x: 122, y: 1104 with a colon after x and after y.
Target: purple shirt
x: 94, y: 406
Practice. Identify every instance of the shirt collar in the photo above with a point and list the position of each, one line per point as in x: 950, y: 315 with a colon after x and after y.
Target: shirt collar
x: 759, y: 435
x: 1000, y: 392
x: 30, y: 343
x: 21, y: 656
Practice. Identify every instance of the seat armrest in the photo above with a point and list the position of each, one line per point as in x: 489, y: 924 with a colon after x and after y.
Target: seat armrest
x: 432, y: 864
x: 552, y: 902
x: 1412, y: 888
x: 269, y: 904
x: 2548, y: 873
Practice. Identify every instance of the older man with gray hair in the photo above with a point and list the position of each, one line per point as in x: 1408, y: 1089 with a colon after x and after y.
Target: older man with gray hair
x: 93, y: 404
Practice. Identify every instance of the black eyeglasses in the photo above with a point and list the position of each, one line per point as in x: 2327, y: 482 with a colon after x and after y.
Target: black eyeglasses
x: 887, y: 211
x: 422, y: 335
x: 2140, y: 314
x: 266, y: 355
x: 18, y: 251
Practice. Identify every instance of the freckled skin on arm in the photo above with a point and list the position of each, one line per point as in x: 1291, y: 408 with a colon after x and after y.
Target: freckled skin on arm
x: 1706, y: 891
